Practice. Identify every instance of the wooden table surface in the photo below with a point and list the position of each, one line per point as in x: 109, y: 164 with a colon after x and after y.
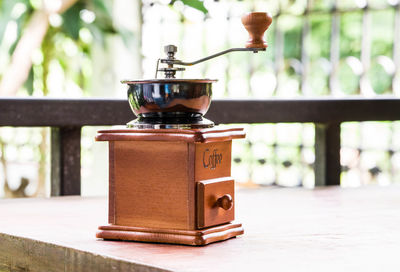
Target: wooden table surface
x: 325, y: 229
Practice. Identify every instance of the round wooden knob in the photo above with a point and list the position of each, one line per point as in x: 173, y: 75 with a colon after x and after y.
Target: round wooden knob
x: 225, y: 202
x: 256, y: 23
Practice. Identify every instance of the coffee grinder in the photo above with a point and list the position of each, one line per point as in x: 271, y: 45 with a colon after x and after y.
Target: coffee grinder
x: 170, y: 169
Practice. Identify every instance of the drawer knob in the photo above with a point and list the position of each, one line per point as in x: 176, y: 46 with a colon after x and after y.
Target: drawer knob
x: 225, y: 202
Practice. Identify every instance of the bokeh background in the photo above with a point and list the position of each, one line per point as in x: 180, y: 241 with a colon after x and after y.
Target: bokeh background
x: 83, y: 48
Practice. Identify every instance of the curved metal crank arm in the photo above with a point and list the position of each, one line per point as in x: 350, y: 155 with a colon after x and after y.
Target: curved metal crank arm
x: 179, y: 62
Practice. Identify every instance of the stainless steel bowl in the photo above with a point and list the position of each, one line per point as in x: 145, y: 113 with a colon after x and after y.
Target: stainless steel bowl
x: 169, y: 101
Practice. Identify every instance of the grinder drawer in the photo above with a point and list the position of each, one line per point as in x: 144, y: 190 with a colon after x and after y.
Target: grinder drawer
x: 215, y: 201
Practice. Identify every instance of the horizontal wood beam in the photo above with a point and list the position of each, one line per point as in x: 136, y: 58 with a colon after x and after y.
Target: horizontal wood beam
x: 96, y: 112
x: 304, y: 110
x: 64, y: 112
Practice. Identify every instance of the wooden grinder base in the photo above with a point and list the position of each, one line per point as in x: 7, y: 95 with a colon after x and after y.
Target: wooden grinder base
x: 185, y: 237
x: 170, y: 185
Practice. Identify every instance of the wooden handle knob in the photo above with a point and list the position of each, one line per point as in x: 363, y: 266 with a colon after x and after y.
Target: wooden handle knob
x: 225, y: 202
x: 256, y: 23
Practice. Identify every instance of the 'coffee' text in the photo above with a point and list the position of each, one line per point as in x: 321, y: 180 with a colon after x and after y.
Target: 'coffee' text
x: 211, y: 159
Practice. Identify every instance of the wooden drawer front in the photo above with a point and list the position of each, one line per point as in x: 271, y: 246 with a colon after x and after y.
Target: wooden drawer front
x: 215, y: 201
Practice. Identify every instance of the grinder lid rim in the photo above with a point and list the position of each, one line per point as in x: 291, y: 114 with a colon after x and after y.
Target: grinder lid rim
x: 168, y: 80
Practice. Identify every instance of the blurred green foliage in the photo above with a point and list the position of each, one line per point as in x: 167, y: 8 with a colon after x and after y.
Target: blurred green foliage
x: 90, y: 21
x: 69, y: 39
x: 72, y: 31
x: 196, y: 4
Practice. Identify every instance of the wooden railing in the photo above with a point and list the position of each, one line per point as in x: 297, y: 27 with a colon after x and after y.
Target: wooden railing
x: 66, y: 117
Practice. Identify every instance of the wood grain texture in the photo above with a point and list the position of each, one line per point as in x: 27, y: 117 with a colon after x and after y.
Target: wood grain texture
x: 65, y: 161
x: 325, y: 229
x: 192, y: 238
x: 213, y: 160
x: 208, y: 211
x: 327, y: 167
x: 111, y: 184
x: 96, y: 112
x: 219, y: 133
x: 191, y: 185
x: 151, y: 184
